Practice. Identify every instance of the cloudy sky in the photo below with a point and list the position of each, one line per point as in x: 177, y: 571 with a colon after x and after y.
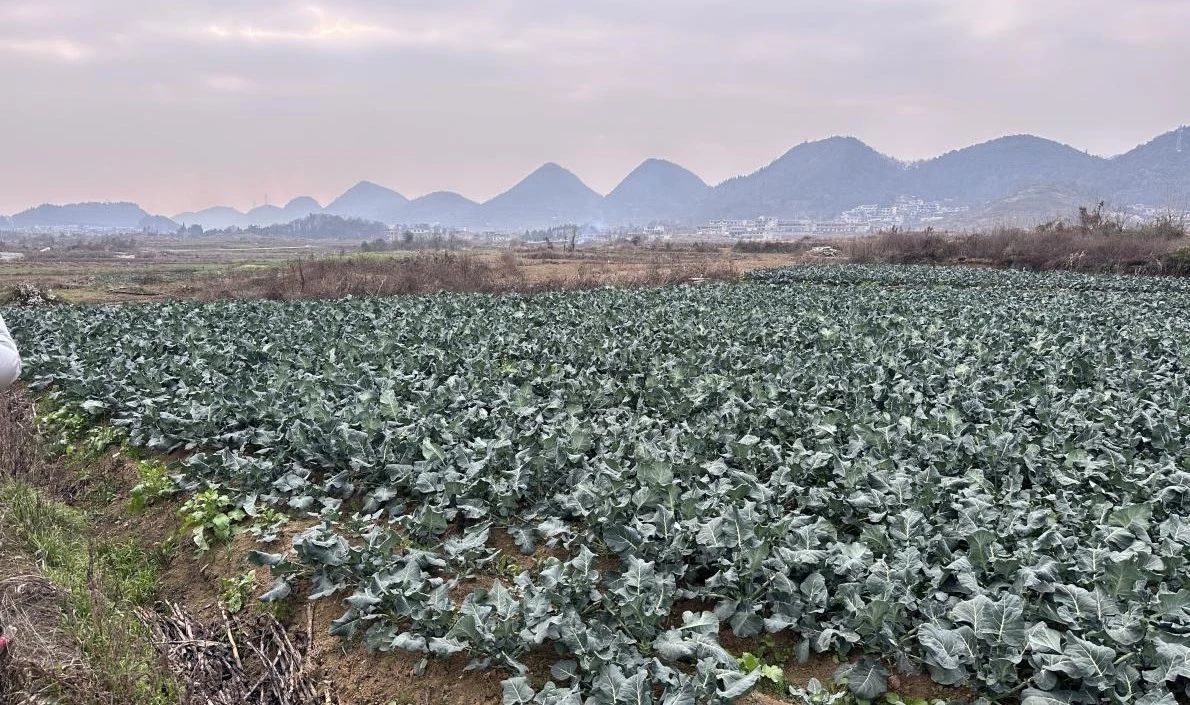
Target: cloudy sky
x: 181, y: 104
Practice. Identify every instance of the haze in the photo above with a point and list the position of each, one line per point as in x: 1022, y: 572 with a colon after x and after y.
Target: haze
x: 183, y: 105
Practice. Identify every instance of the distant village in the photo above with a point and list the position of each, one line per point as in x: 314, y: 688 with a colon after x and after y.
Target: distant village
x: 904, y: 213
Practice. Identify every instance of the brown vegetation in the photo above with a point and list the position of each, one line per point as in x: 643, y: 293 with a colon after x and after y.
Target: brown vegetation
x: 1094, y: 243
x: 797, y: 246
x: 238, y: 661
x: 430, y: 272
x: 1068, y: 249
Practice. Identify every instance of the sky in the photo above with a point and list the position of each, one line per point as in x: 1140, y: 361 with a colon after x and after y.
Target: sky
x: 184, y: 104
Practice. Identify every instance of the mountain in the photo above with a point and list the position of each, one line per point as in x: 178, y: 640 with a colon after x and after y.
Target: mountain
x: 325, y: 225
x: 298, y: 208
x: 1002, y: 167
x: 549, y: 196
x: 221, y: 217
x: 657, y: 190
x: 371, y: 202
x: 92, y: 215
x: 213, y: 218
x: 157, y: 224
x: 264, y: 215
x: 1155, y: 173
x: 440, y: 207
x: 814, y: 179
x: 1017, y: 175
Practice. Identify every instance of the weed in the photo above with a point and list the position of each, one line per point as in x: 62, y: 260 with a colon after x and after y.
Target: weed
x: 210, y: 514
x: 816, y: 694
x: 102, y: 581
x: 282, y: 610
x: 770, y: 675
x: 507, y: 568
x: 71, y: 431
x: 155, y: 484
x: 772, y: 680
x: 267, y: 523
x: 773, y: 650
x: 234, y: 592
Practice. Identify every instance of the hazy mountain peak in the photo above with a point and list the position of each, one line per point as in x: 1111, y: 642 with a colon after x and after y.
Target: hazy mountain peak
x: 443, y: 197
x: 303, y: 202
x: 837, y: 146
x: 1156, y: 172
x: 551, y: 195
x: 367, y: 189
x: 548, y: 177
x: 369, y: 201
x: 814, y: 179
x: 1004, y: 166
x: 1016, y: 143
x: 444, y: 207
x: 551, y: 171
x: 660, y: 168
x: 118, y: 214
x: 1174, y: 142
x: 656, y: 190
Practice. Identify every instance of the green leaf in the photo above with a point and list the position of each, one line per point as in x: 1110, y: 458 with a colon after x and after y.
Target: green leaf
x: 866, y: 678
x: 517, y: 691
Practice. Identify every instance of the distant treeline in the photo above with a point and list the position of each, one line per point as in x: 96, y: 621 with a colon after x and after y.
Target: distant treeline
x: 313, y: 226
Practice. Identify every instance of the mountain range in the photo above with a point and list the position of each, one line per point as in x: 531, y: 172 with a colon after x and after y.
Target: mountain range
x: 815, y: 180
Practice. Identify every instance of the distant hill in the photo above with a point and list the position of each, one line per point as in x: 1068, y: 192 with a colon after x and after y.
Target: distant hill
x: 657, y: 190
x: 817, y: 180
x: 440, y: 207
x: 1155, y: 173
x: 213, y: 218
x: 222, y: 217
x: 91, y: 215
x: 321, y: 226
x: 549, y: 196
x: 814, y: 179
x: 299, y: 207
x: 264, y: 215
x: 1018, y: 178
x: 157, y: 224
x: 371, y: 202
x: 1002, y: 167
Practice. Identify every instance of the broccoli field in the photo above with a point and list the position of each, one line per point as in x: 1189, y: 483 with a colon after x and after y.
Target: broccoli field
x: 981, y: 476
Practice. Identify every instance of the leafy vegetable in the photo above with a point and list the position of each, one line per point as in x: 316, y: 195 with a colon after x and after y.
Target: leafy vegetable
x: 982, y: 474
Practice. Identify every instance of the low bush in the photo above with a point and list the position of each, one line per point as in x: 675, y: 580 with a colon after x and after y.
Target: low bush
x: 1125, y: 252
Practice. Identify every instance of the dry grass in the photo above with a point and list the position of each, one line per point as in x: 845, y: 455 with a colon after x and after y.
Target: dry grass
x: 19, y: 457
x: 1122, y: 253
x: 384, y: 275
x: 430, y: 272
x: 66, y: 595
x: 239, y: 661
x: 45, y: 663
x: 798, y: 246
